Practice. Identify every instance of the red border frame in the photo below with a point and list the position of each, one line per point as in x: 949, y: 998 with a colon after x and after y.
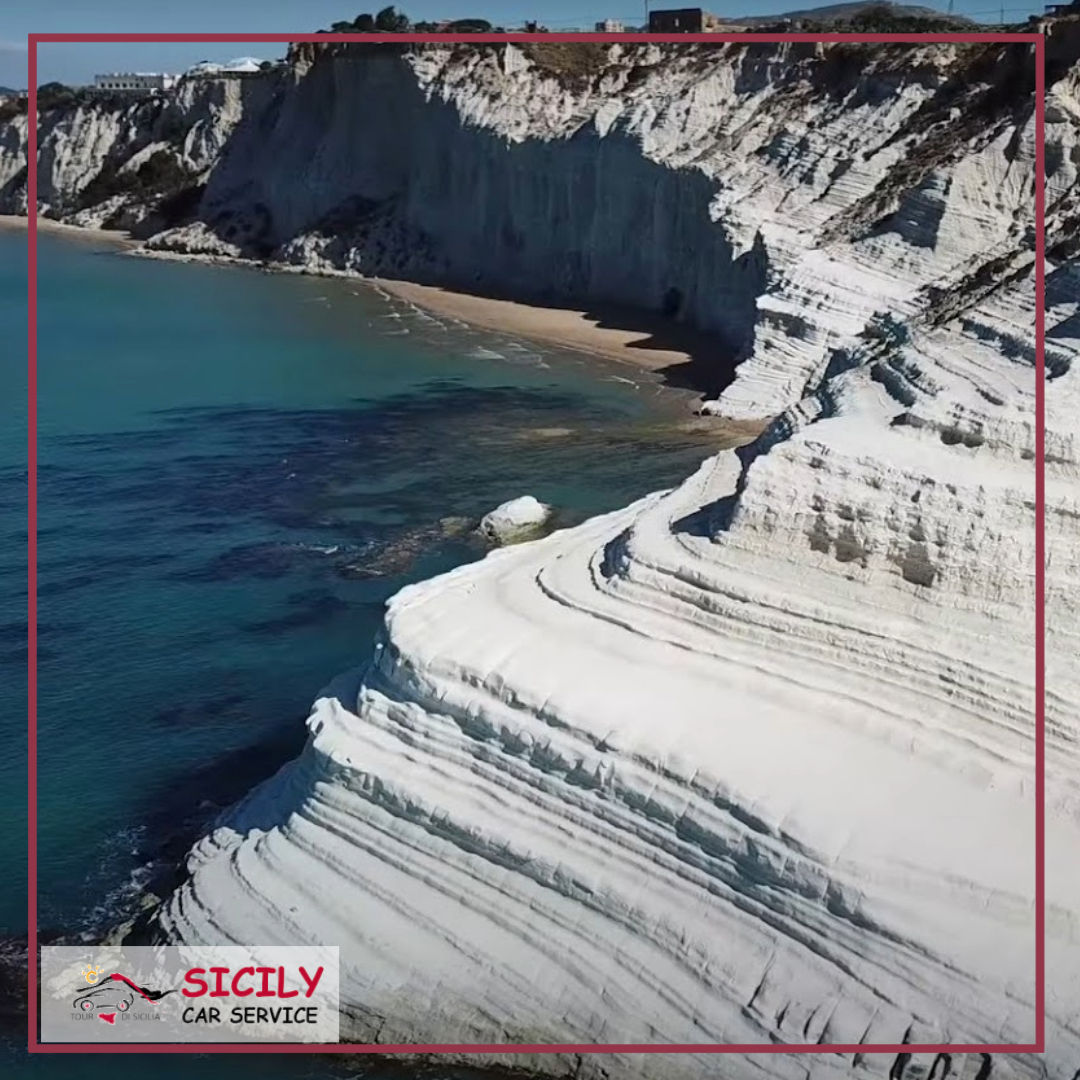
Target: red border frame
x: 1036, y: 1047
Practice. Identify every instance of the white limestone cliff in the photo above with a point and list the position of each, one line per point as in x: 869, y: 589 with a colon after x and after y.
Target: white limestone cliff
x: 93, y: 156
x: 751, y: 760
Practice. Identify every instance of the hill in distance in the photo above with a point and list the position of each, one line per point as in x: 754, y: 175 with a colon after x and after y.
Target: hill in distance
x: 833, y: 13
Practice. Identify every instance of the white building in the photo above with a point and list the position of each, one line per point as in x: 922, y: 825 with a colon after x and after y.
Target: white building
x: 135, y: 82
x: 242, y: 65
x: 610, y: 26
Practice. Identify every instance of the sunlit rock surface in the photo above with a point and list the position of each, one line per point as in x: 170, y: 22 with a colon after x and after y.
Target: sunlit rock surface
x: 515, y: 520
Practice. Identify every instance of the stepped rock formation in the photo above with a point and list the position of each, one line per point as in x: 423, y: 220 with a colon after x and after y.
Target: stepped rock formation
x: 751, y: 760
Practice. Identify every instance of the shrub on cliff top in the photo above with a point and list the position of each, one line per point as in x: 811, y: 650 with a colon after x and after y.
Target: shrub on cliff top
x: 571, y: 62
x: 55, y: 95
x: 392, y: 21
x: 387, y: 21
x: 12, y: 107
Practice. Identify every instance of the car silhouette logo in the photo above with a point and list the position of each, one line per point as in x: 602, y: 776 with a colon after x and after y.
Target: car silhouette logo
x: 106, y: 1001
x: 114, y: 995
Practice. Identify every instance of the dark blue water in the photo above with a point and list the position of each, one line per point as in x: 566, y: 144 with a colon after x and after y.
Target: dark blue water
x: 235, y: 471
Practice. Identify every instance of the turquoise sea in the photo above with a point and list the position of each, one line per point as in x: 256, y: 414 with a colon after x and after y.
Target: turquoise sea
x: 236, y: 469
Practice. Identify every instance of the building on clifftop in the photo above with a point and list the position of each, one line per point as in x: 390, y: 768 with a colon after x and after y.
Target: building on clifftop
x: 135, y: 82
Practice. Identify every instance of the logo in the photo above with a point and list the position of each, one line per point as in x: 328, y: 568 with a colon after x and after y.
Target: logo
x: 116, y: 995
x: 189, y: 993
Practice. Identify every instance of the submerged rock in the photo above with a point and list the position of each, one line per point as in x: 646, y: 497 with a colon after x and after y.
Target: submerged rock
x: 455, y: 525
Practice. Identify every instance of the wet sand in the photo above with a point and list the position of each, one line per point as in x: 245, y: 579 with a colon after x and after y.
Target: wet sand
x: 647, y: 340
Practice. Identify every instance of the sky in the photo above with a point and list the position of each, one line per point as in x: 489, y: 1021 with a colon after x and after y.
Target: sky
x: 78, y: 63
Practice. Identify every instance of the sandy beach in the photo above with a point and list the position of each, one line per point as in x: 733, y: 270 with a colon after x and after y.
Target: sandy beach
x: 681, y: 354
x: 112, y: 237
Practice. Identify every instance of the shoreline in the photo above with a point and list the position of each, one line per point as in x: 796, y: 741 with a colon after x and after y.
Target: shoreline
x: 675, y: 355
x: 644, y: 340
x: 573, y: 329
x: 641, y: 339
x: 113, y: 237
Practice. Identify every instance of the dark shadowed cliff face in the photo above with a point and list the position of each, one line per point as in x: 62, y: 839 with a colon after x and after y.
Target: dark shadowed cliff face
x: 395, y: 183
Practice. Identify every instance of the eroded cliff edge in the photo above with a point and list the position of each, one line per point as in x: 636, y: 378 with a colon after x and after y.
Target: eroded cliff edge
x: 751, y: 760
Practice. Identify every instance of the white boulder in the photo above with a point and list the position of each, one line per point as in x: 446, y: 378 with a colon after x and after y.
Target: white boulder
x: 515, y: 520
